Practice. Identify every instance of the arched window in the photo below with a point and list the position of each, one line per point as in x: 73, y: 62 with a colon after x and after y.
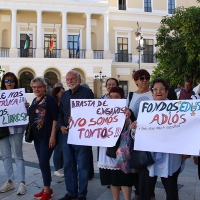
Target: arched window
x: 25, y: 80
x: 52, y: 78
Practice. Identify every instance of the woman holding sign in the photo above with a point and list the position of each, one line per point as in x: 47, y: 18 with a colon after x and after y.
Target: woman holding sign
x: 43, y: 114
x: 109, y: 174
x: 13, y: 145
x: 167, y: 166
x: 143, y: 93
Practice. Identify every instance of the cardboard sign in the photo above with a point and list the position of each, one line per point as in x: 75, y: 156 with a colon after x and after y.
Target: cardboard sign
x: 96, y: 122
x: 12, y: 107
x: 169, y: 127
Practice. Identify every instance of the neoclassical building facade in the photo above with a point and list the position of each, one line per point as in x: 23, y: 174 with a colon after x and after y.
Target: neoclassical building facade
x: 94, y: 37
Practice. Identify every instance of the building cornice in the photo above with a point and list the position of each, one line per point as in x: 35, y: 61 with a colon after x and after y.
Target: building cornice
x: 56, y: 6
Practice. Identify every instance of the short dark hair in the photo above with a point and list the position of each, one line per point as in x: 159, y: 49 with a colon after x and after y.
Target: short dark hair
x: 139, y: 73
x: 187, y: 81
x: 159, y: 80
x: 118, y: 90
x: 114, y: 79
x: 3, y: 86
x: 55, y: 91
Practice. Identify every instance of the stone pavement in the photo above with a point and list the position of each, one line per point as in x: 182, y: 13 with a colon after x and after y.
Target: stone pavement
x: 188, y: 181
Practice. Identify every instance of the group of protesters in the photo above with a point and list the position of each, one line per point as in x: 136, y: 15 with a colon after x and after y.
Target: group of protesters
x: 49, y: 115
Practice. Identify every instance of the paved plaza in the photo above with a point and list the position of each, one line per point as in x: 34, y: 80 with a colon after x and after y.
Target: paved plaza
x: 189, y: 185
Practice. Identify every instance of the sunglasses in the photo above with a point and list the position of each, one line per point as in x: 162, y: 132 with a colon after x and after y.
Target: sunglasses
x: 142, y: 78
x: 9, y: 80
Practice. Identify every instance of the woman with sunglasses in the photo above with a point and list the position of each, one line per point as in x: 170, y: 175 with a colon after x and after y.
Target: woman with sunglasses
x: 43, y: 115
x: 13, y: 145
x: 143, y: 93
x: 167, y: 166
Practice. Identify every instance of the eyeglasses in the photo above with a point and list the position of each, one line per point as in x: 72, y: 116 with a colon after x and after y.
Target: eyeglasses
x: 9, y: 80
x: 70, y: 79
x: 142, y: 78
x: 111, y: 85
x: 158, y: 89
x: 37, y: 87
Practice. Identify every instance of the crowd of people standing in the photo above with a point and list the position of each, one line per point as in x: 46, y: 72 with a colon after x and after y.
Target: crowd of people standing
x: 49, y: 115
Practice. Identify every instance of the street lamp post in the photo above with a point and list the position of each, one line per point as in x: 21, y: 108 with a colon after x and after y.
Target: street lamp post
x: 100, y: 78
x: 2, y: 72
x: 139, y: 38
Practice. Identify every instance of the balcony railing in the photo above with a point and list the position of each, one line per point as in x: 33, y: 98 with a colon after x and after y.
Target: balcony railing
x: 4, y: 52
x: 54, y: 53
x: 80, y: 54
x: 98, y: 54
x: 122, y: 7
x: 148, y: 58
x: 123, y: 57
x: 26, y: 53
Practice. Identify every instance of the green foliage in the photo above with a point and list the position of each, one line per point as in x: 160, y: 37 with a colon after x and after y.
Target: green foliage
x: 178, y: 40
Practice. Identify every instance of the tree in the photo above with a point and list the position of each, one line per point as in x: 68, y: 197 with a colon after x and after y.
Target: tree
x: 178, y: 42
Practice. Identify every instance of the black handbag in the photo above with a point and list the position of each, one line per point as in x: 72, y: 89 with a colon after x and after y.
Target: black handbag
x: 28, y: 133
x: 111, y: 151
x: 4, y: 132
x: 140, y: 159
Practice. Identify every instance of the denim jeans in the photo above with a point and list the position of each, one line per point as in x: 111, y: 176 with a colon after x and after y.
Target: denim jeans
x: 76, y: 160
x: 13, y: 144
x: 58, y: 153
x: 44, y: 154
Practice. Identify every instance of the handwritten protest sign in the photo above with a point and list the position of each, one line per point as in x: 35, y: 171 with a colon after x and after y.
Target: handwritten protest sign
x: 12, y: 107
x: 169, y: 126
x: 96, y: 122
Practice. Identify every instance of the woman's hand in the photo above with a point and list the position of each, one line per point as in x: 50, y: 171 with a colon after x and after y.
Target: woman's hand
x: 64, y: 129
x: 27, y: 104
x: 133, y: 127
x: 195, y: 159
x: 52, y: 141
x: 69, y: 120
x: 184, y: 157
x: 127, y: 113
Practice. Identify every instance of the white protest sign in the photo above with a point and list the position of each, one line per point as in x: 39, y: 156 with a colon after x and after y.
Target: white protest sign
x: 96, y: 122
x: 169, y: 127
x: 12, y: 107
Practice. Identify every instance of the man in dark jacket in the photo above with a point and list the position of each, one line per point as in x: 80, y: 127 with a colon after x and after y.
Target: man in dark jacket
x: 76, y: 157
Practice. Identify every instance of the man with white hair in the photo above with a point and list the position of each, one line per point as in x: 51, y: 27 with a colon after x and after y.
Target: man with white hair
x: 76, y: 157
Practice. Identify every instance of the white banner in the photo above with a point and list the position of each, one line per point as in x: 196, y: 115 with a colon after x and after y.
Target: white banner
x: 96, y: 122
x: 12, y: 107
x: 169, y: 127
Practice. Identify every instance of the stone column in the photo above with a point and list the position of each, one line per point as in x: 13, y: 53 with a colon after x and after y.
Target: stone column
x: 13, y: 49
x: 64, y: 51
x: 39, y: 48
x: 89, y: 52
x: 106, y: 53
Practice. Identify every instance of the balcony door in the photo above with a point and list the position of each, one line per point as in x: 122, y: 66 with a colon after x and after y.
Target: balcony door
x: 122, y: 49
x: 73, y: 45
x: 148, y: 51
x: 47, y: 52
x: 26, y: 52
